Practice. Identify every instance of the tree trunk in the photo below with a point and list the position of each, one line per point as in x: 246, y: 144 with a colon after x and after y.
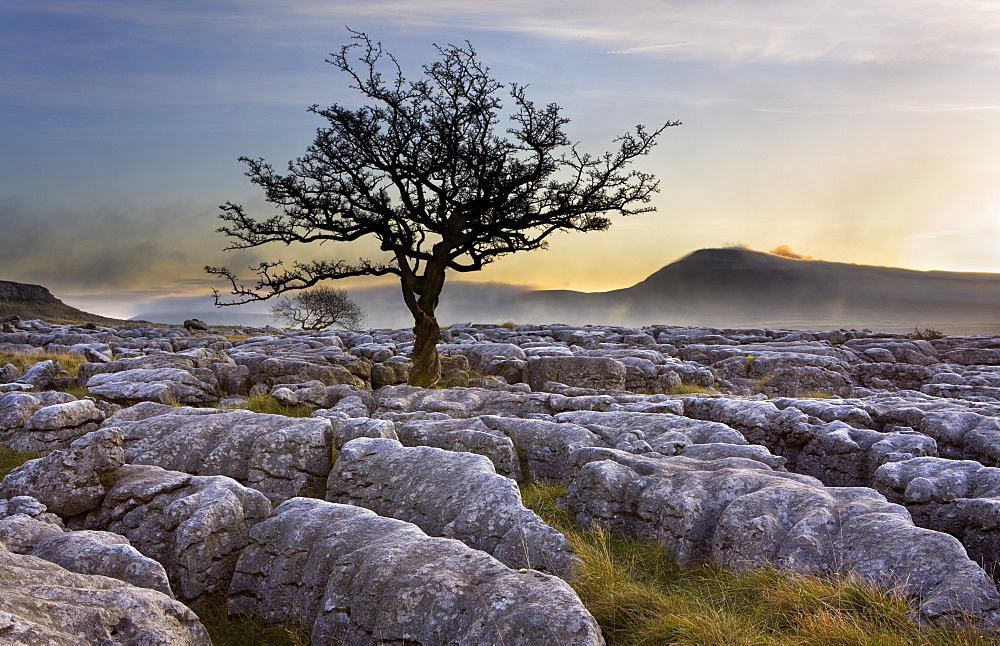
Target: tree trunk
x: 421, y: 296
x: 426, y: 363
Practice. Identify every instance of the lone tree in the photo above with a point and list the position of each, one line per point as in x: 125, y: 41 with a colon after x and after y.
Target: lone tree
x: 318, y: 309
x: 433, y: 171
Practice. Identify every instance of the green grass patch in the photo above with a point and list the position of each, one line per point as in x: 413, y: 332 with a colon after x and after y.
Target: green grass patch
x: 813, y: 393
x: 10, y: 460
x: 69, y: 362
x: 271, y: 406
x: 641, y: 597
x: 243, y: 630
x: 78, y: 391
x: 685, y: 388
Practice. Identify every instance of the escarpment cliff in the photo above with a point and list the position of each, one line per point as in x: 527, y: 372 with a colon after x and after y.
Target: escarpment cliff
x: 36, y: 302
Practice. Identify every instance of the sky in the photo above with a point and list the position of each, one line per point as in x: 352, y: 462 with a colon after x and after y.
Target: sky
x: 862, y: 132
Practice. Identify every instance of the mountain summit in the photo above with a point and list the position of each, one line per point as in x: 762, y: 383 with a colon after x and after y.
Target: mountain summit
x: 737, y: 287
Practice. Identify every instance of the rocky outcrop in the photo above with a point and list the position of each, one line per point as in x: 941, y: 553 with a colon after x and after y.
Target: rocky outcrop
x: 960, y: 497
x: 353, y: 577
x: 454, y: 495
x: 10, y: 291
x: 839, y: 454
x: 464, y: 435
x: 17, y: 407
x: 741, y: 515
x: 44, y: 604
x: 665, y: 433
x: 73, y: 481
x: 57, y: 426
x: 280, y: 456
x: 543, y: 447
x: 195, y: 526
x: 598, y: 373
x: 163, y: 385
x: 42, y: 535
x: 849, y: 407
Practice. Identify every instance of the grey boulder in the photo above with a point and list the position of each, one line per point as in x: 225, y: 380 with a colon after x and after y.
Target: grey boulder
x: 42, y: 604
x: 163, y: 385
x: 740, y: 514
x: 449, y: 494
x: 282, y: 457
x: 353, y: 577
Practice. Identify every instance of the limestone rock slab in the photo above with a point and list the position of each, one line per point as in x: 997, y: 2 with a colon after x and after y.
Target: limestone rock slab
x: 741, y: 515
x: 354, y: 577
x: 450, y: 494
x: 45, y: 605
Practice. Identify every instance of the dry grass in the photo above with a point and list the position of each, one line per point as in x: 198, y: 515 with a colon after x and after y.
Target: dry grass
x: 685, y: 388
x: 232, y: 335
x: 70, y: 363
x: 271, y: 406
x: 813, y: 393
x: 10, y: 460
x: 242, y: 630
x: 641, y: 597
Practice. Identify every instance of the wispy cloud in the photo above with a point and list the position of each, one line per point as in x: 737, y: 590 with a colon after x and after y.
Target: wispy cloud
x: 721, y: 30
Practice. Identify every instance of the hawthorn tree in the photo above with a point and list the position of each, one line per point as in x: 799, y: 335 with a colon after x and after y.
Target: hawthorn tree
x: 438, y: 176
x: 318, y: 309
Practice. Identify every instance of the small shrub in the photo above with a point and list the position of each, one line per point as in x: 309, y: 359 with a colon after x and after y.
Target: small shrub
x: 509, y: 325
x: 815, y: 393
x: 271, y: 406
x: 318, y: 309
x: 927, y: 334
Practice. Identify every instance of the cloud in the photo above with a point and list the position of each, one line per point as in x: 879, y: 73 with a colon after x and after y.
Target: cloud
x: 762, y: 31
x: 786, y: 251
x: 97, y: 248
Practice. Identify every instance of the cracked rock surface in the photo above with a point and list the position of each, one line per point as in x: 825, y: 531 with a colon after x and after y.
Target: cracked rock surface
x: 354, y: 577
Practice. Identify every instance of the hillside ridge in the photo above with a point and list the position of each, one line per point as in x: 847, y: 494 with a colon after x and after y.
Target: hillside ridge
x: 29, y: 301
x: 740, y: 287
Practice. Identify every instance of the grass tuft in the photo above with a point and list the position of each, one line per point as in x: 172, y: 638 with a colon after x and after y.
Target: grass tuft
x: 10, y: 460
x: 79, y: 392
x: 641, y: 597
x: 232, y: 335
x: 271, y: 406
x: 685, y: 388
x: 243, y: 630
x: 814, y: 393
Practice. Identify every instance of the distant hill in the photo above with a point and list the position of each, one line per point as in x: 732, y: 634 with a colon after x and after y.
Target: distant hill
x: 710, y: 287
x: 37, y: 302
x: 740, y: 288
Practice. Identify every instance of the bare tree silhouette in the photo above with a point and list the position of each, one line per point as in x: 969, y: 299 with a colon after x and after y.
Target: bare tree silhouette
x: 432, y: 170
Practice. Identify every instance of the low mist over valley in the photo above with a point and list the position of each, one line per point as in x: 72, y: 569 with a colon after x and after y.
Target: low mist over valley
x: 731, y: 287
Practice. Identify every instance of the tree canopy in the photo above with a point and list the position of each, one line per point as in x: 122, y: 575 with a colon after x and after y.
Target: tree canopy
x: 318, y: 309
x: 439, y: 176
